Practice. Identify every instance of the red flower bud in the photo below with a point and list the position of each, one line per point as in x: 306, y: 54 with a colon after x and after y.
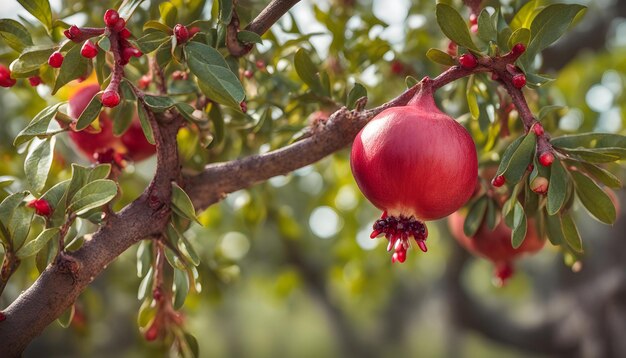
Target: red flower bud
x: 546, y: 159
x: 468, y: 61
x: 89, y: 49
x: 181, y: 33
x: 110, y: 99
x: 110, y: 17
x: 498, y: 181
x: 34, y: 81
x: 519, y: 80
x: 5, y: 77
x: 41, y: 206
x: 55, y: 60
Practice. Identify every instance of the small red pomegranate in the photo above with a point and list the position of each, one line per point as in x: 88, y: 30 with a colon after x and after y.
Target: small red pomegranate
x: 133, y: 142
x: 495, y: 245
x: 415, y: 163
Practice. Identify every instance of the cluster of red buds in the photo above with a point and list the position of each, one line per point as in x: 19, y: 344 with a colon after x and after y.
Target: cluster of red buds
x: 41, y: 206
x: 121, y: 48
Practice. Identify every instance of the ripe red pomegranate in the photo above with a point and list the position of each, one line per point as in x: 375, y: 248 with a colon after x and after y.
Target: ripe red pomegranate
x: 415, y: 163
x: 496, y: 245
x: 133, y: 143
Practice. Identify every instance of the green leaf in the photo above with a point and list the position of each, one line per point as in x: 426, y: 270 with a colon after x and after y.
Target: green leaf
x: 168, y: 13
x: 215, y: 79
x: 40, y: 9
x: 307, y: 71
x: 38, y: 126
x: 38, y: 162
x: 66, y: 318
x: 93, y: 195
x: 20, y: 224
x: 30, y: 61
x: 160, y: 27
x: 180, y: 287
x: 410, y: 81
x: 548, y: 110
x: 595, y: 200
x: 181, y: 201
x: 486, y: 28
x: 357, y: 92
x: 187, y: 249
x: 151, y: 41
x: 159, y: 103
x: 192, y: 343
x: 592, y: 156
x: 128, y: 7
x: 607, y: 178
x: 491, y: 217
x: 454, y: 27
x: 590, y: 140
x: 570, y: 233
x: 472, y: 99
x: 101, y: 171
x: 525, y: 15
x: 508, y: 153
x: 15, y: 34
x: 187, y: 111
x: 144, y: 120
x: 521, y: 35
x: 55, y: 196
x: 74, y: 66
x: 90, y: 113
x: 33, y: 246
x: 146, y: 315
x: 9, y: 205
x: 553, y: 226
x: 548, y: 26
x: 249, y: 37
x: 440, y: 57
x: 519, y: 160
x: 144, y: 285
x: 519, y: 226
x: 123, y: 116
x: 475, y: 216
x: 226, y: 10
x: 557, y: 190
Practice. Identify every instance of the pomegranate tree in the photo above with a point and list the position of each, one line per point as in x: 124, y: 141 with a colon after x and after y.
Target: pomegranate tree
x: 415, y: 163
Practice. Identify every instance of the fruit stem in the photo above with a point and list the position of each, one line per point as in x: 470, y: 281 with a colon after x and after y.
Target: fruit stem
x: 118, y: 68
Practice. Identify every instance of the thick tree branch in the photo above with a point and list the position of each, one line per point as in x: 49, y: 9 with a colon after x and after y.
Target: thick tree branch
x: 55, y: 290
x: 268, y: 17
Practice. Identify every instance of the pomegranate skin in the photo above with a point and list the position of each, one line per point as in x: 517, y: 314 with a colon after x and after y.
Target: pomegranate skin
x: 87, y: 141
x: 415, y: 161
x: 133, y: 142
x: 495, y: 245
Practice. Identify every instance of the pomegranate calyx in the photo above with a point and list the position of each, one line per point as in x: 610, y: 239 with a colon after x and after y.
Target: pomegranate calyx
x: 398, y: 230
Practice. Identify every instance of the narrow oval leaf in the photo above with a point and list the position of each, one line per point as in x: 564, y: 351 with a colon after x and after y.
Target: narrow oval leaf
x: 181, y: 201
x: 30, y: 60
x: 557, y: 190
x: 486, y: 28
x: 40, y: 9
x: 307, y: 71
x: 508, y: 153
x: 519, y: 226
x: 440, y: 57
x: 15, y: 34
x: 554, y: 230
x: 33, y: 247
x: 475, y: 216
x: 144, y: 286
x: 607, y: 178
x: 38, y: 162
x: 570, y: 233
x: 145, y: 123
x: 454, y: 27
x: 93, y: 195
x: 357, y: 92
x: 249, y: 37
x: 181, y: 288
x: 215, y: 78
x: 90, y: 113
x: 38, y: 126
x: 523, y: 155
x: 590, y: 140
x: 66, y: 318
x: 595, y: 200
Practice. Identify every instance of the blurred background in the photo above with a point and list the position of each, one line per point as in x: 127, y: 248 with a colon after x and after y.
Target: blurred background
x: 288, y: 268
